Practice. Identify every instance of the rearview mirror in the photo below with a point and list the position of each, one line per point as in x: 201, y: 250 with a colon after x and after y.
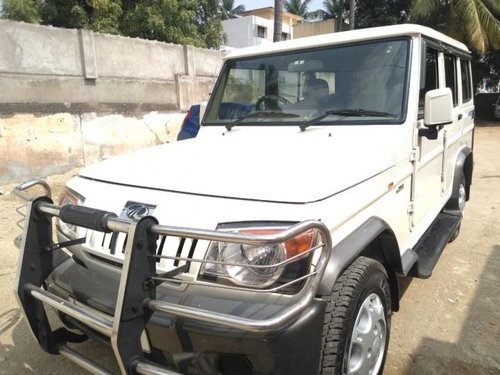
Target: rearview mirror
x: 438, y: 111
x: 438, y: 108
x: 305, y: 66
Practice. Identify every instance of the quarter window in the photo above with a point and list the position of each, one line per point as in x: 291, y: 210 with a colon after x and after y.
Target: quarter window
x: 450, y: 70
x: 466, y: 81
x: 431, y: 81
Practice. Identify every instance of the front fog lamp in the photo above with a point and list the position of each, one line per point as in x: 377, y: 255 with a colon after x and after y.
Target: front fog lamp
x: 249, y: 265
x: 69, y: 196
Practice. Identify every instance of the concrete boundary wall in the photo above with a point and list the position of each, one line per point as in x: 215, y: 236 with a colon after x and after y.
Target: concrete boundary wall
x: 47, y: 65
x: 69, y: 97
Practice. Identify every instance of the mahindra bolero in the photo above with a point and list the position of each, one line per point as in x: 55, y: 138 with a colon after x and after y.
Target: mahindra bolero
x: 325, y: 170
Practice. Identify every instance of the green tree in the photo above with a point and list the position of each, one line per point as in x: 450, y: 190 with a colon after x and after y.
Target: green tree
x: 183, y: 22
x: 176, y: 21
x: 209, y: 23
x: 66, y: 13
x: 476, y: 22
x: 21, y: 10
x: 106, y: 15
x: 298, y: 7
x: 486, y: 69
x: 229, y: 10
x: 97, y: 15
x: 382, y: 12
x: 163, y: 20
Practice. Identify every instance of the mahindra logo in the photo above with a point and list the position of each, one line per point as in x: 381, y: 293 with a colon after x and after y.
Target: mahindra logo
x: 136, y: 210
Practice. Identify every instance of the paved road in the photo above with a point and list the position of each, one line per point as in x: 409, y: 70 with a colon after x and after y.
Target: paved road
x: 449, y: 324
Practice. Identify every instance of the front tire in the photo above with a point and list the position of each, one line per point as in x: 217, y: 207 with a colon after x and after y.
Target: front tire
x: 357, y: 321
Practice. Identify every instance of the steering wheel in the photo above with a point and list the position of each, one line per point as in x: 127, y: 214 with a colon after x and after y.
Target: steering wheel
x: 275, y: 101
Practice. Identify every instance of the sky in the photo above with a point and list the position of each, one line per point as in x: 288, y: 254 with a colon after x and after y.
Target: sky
x: 254, y: 4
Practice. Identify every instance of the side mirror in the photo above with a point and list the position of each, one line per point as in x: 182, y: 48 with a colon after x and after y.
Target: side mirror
x: 438, y: 111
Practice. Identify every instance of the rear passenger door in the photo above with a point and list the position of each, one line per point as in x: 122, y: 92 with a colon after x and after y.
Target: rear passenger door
x: 466, y: 101
x: 452, y: 134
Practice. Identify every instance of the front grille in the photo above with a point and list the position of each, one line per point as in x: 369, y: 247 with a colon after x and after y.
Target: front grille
x: 110, y: 248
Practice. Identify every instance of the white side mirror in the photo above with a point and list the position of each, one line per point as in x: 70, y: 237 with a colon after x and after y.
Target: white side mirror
x: 438, y: 107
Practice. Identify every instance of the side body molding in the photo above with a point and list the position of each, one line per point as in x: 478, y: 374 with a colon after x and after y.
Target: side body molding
x: 346, y: 251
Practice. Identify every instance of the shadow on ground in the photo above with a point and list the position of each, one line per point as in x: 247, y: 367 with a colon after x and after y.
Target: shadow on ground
x: 479, y: 338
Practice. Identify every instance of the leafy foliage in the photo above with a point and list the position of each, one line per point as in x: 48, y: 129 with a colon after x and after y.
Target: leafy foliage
x: 176, y: 21
x: 229, y: 10
x: 21, y: 10
x: 382, y: 12
x: 476, y: 22
x: 298, y: 7
x: 486, y: 69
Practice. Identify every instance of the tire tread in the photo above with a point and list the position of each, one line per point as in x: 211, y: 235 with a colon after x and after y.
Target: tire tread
x: 340, y: 310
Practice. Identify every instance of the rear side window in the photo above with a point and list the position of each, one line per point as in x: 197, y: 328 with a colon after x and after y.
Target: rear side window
x: 450, y: 71
x: 466, y: 81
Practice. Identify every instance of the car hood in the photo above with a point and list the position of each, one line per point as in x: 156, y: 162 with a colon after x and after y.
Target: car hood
x: 280, y: 165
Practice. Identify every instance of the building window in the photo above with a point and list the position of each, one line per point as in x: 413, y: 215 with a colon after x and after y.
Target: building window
x: 285, y: 36
x: 261, y: 31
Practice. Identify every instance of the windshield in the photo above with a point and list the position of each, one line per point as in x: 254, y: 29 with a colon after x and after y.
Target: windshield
x: 359, y: 83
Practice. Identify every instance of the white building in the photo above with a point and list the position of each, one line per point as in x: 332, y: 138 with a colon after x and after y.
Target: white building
x: 256, y: 27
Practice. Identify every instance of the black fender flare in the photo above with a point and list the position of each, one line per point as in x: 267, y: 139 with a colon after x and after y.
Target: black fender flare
x: 464, y: 165
x: 352, y: 246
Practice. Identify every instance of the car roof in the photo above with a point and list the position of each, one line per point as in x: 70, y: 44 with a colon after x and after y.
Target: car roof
x: 346, y: 37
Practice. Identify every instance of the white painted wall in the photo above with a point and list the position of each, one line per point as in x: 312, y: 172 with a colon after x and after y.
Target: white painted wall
x: 242, y: 32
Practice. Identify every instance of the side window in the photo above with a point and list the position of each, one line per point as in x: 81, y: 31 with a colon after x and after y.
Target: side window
x: 450, y: 71
x: 466, y: 81
x: 431, y: 80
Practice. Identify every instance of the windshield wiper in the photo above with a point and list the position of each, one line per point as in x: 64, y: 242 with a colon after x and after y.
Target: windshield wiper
x: 345, y: 112
x: 258, y: 114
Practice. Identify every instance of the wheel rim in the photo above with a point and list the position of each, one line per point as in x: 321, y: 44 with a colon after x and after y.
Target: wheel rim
x: 461, y: 198
x: 367, y: 347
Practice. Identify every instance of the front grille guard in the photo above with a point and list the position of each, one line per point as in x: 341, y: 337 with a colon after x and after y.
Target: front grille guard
x: 136, y: 300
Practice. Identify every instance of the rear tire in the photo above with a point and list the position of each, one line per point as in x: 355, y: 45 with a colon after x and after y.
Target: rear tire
x: 357, y: 321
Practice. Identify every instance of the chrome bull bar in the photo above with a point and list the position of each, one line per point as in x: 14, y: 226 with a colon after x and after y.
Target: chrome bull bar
x: 136, y: 299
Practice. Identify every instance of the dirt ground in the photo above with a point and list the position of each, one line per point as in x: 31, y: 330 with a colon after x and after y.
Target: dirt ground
x: 448, y: 324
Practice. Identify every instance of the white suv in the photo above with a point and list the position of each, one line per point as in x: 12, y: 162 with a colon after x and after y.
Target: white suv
x: 325, y: 169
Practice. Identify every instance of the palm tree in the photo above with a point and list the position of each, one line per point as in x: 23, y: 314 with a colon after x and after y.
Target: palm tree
x: 278, y: 20
x: 229, y: 10
x: 476, y: 22
x: 352, y: 11
x: 334, y: 9
x: 298, y: 7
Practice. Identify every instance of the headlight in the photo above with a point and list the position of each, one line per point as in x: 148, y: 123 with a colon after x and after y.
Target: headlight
x: 69, y: 196
x: 257, y: 266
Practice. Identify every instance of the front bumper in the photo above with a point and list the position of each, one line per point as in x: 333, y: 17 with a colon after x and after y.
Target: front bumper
x: 189, y: 329
x: 194, y: 347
